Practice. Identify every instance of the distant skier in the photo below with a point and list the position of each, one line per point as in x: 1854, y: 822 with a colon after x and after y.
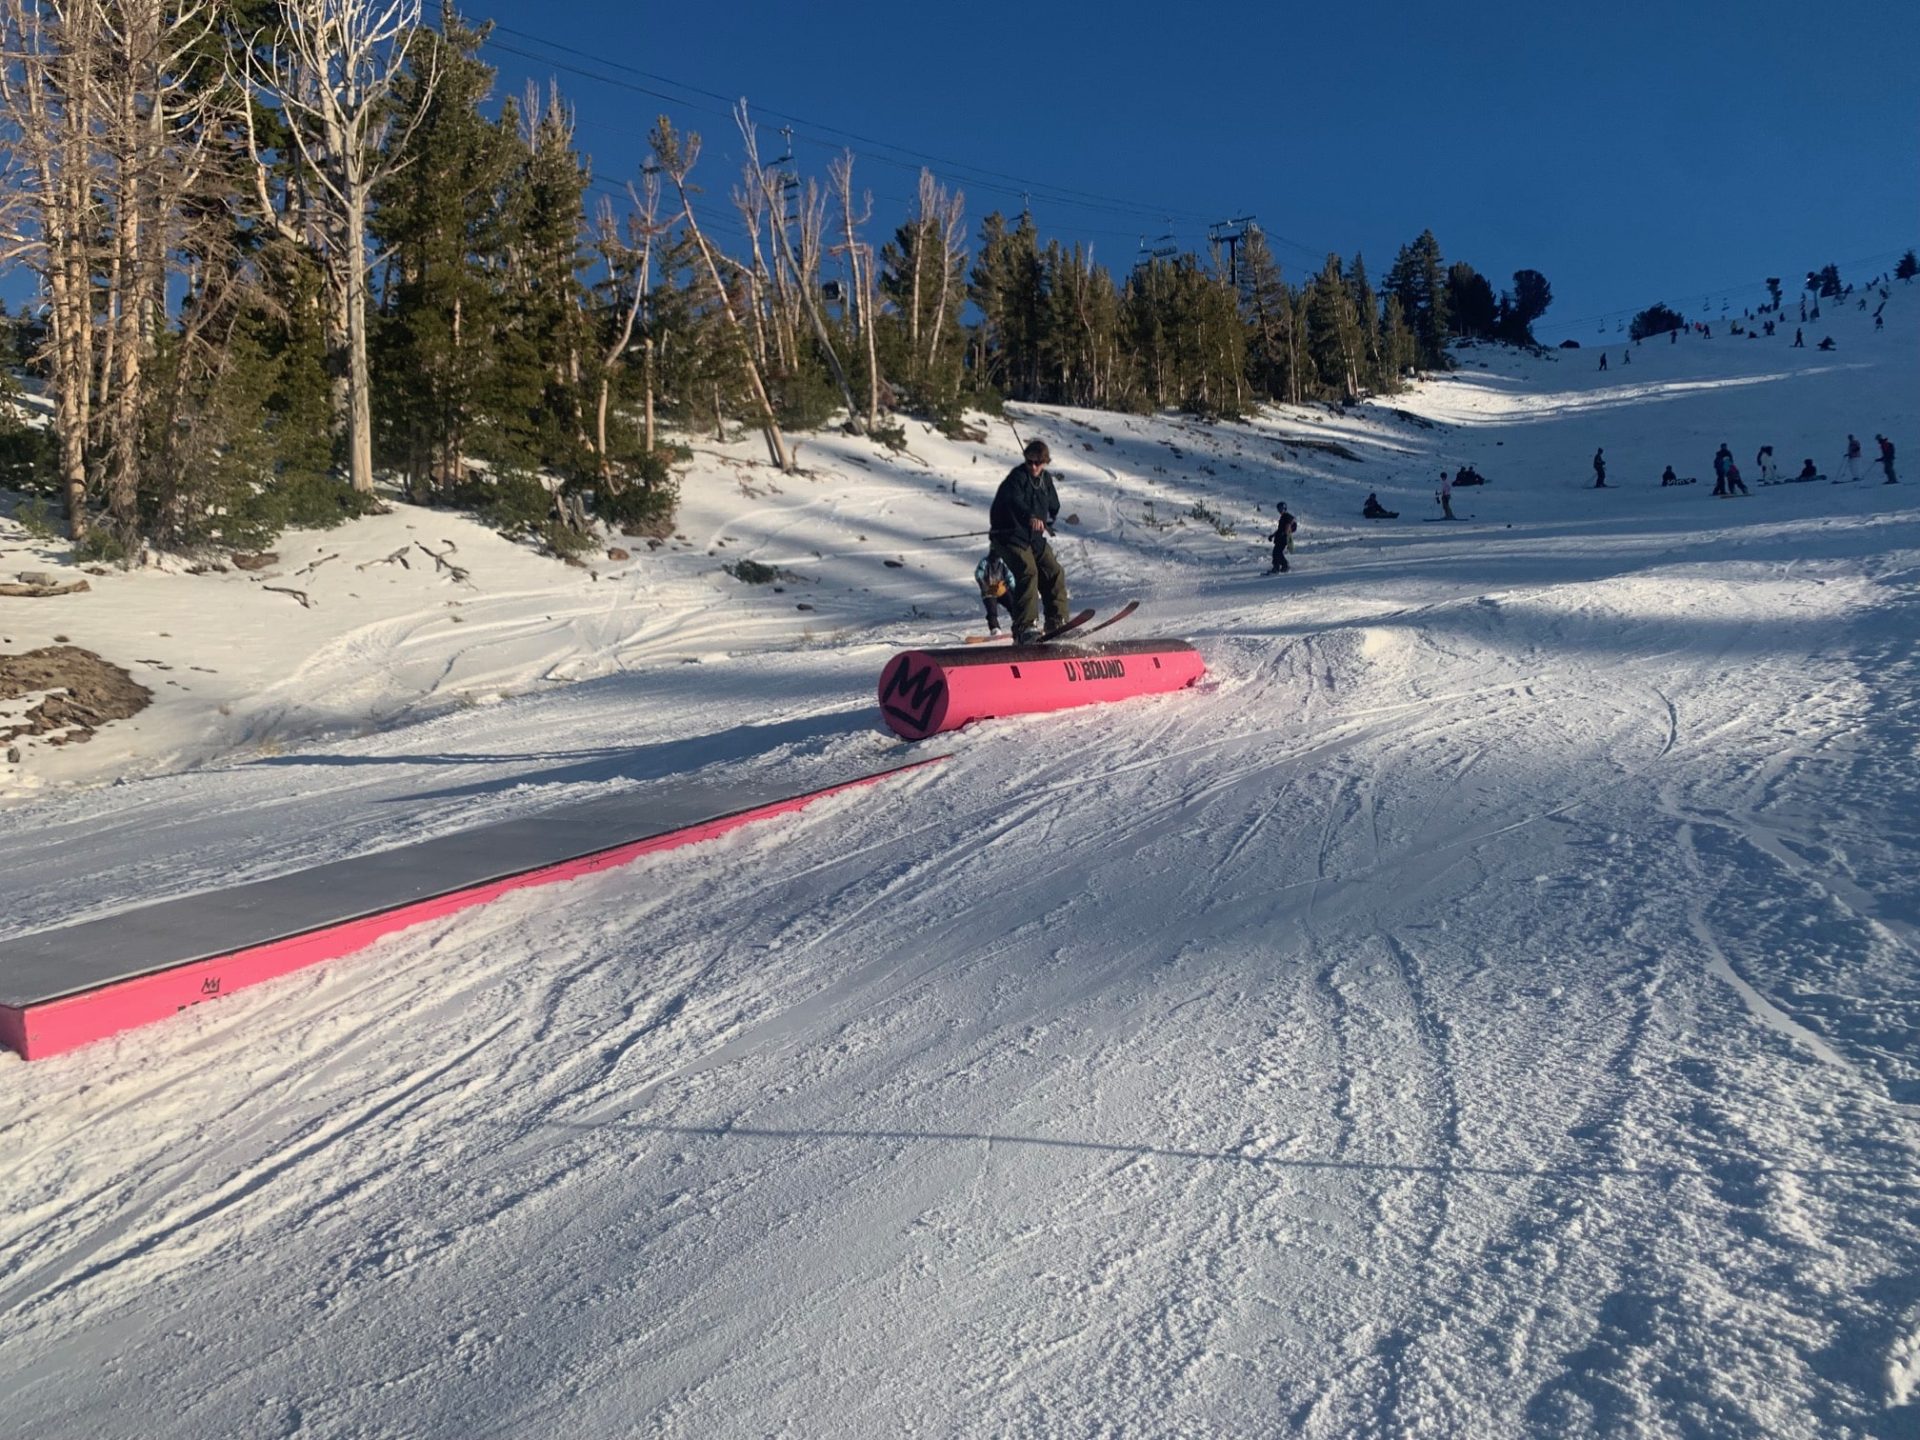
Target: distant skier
x: 1603, y: 359
x: 1799, y: 340
x: 1722, y: 461
x: 1282, y: 538
x: 1599, y: 470
x: 1886, y: 459
x: 1673, y: 336
x: 1445, y: 496
x: 1850, y: 462
x: 996, y: 583
x: 1763, y: 462
x: 1626, y: 356
x: 1374, y: 510
x: 1024, y: 508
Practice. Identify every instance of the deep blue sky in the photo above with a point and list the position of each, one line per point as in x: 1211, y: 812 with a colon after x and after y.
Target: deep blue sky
x: 1632, y: 151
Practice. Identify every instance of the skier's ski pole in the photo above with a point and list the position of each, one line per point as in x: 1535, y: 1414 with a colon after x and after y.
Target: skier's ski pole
x: 962, y: 535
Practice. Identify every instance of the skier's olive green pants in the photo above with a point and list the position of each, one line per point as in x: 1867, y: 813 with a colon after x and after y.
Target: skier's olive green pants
x: 1036, y: 575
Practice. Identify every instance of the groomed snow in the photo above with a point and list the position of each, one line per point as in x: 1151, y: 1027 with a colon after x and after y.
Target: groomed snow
x: 1488, y: 1007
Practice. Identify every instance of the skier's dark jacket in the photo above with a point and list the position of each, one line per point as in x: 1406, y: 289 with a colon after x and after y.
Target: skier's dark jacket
x: 1021, y: 499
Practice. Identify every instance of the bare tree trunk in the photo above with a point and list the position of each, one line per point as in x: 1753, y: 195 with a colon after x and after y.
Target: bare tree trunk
x: 331, y: 77
x: 771, y: 190
x: 677, y: 160
x: 842, y: 171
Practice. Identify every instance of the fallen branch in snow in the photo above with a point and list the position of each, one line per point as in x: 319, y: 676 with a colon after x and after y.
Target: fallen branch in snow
x: 318, y: 563
x: 439, y: 558
x: 398, y: 557
x: 299, y: 595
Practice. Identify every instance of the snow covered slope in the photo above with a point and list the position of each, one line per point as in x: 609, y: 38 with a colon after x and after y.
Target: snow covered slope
x: 1490, y: 1008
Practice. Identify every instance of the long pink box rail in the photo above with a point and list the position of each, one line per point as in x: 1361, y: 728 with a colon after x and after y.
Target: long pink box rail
x: 923, y: 692
x: 62, y: 988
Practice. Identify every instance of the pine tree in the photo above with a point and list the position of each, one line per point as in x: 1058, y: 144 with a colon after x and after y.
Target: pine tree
x: 1371, y: 367
x: 1333, y: 335
x: 1908, y: 267
x: 439, y: 220
x: 1471, y: 308
x: 1008, y: 285
x: 546, y: 329
x: 1524, y: 304
x: 1418, y: 281
x: 1273, y: 361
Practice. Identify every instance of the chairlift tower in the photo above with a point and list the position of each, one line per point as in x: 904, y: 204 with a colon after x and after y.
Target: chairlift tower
x: 1230, y: 233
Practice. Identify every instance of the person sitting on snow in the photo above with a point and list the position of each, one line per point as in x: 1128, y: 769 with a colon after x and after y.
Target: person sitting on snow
x: 1807, y: 472
x: 1374, y: 510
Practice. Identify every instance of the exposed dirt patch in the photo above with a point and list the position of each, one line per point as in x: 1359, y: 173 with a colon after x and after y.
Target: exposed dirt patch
x: 77, y: 692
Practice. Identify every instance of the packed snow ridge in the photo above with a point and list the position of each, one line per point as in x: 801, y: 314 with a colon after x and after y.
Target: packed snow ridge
x: 1488, y: 1007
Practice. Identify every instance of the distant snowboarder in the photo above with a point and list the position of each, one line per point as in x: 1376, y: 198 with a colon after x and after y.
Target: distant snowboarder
x: 1807, y: 472
x: 1374, y: 510
x: 1886, y: 459
x: 1763, y: 462
x: 1722, y: 461
x: 1667, y: 477
x: 1599, y: 470
x: 1735, y: 485
x: 1282, y: 538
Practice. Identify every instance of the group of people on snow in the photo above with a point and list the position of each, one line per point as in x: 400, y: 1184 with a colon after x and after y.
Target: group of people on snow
x: 1022, y: 576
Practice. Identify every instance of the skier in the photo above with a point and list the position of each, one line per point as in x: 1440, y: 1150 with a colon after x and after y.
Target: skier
x: 1445, y: 496
x: 1886, y: 459
x: 1603, y: 359
x: 1763, y: 462
x: 1022, y: 518
x: 996, y: 590
x: 1374, y: 510
x: 1850, y: 462
x: 1799, y: 340
x: 1626, y: 356
x: 1722, y: 461
x: 1599, y: 470
x: 1282, y: 538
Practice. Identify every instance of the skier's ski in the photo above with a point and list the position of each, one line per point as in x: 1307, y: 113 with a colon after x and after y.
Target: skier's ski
x: 1073, y: 623
x: 1122, y: 613
x: 1444, y: 519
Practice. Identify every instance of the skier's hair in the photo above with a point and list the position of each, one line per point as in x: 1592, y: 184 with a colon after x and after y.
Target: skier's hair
x: 1037, y: 450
